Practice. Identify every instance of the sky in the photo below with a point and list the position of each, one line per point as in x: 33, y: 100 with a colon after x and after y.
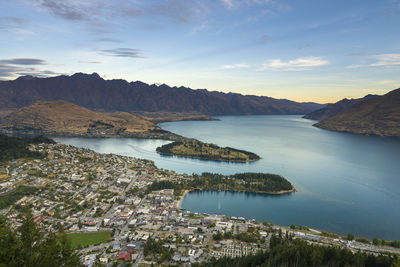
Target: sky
x: 303, y: 50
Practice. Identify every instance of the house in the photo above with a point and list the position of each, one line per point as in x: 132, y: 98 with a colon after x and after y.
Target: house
x: 126, y: 256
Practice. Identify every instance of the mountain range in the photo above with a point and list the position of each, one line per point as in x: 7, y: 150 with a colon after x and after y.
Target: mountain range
x: 335, y: 108
x: 371, y: 115
x: 93, y: 92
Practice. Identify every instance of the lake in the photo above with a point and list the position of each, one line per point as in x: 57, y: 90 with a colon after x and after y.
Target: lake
x: 345, y: 182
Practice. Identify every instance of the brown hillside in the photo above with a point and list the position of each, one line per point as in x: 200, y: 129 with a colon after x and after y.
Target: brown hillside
x: 64, y: 118
x: 376, y: 116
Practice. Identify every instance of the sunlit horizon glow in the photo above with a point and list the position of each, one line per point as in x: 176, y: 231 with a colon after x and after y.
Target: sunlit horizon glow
x: 320, y: 51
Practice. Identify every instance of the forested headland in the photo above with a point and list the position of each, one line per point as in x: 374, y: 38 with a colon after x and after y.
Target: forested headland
x: 199, y: 150
x: 247, y: 182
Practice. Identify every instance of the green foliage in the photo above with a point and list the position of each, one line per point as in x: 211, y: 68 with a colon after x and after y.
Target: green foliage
x: 166, y: 185
x: 197, y: 149
x: 13, y: 196
x: 323, y: 233
x: 87, y: 239
x: 28, y: 246
x: 298, y: 253
x: 350, y: 236
x: 152, y: 247
x: 382, y: 242
x: 249, y: 182
x: 17, y: 147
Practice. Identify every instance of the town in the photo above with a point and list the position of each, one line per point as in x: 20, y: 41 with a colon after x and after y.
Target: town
x: 104, y: 204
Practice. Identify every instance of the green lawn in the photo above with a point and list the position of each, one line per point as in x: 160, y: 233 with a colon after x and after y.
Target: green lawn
x: 85, y: 239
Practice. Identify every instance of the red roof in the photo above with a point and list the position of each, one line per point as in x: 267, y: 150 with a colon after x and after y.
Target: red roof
x: 125, y: 256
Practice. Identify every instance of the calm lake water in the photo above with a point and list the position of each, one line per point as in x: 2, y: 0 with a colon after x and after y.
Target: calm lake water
x: 345, y: 182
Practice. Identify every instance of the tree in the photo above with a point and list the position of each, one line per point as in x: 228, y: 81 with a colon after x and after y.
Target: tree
x: 350, y: 237
x: 28, y: 246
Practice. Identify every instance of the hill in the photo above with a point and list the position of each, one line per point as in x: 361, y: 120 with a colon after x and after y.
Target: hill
x: 67, y: 119
x: 93, y: 92
x: 374, y: 116
x: 17, y: 147
x: 333, y: 109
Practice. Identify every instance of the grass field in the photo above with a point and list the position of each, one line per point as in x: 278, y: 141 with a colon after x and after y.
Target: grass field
x: 85, y: 239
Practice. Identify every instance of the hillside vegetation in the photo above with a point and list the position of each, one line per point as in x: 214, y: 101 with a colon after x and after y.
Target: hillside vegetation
x: 247, y: 182
x: 377, y: 116
x: 17, y: 147
x: 199, y: 150
x: 67, y: 119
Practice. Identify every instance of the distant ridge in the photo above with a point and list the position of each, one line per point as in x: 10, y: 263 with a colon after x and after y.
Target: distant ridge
x: 62, y: 118
x: 93, y: 92
x: 372, y: 116
x: 333, y: 109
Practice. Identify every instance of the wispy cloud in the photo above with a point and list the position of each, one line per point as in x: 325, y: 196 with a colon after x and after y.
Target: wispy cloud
x: 10, y: 68
x: 386, y: 60
x: 229, y: 3
x: 95, y: 12
x: 234, y: 4
x: 302, y: 63
x: 23, y: 61
x: 235, y: 66
x: 375, y: 60
x: 123, y: 52
x: 106, y: 39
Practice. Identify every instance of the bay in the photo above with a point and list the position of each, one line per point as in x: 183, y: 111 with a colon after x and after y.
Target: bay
x: 345, y: 183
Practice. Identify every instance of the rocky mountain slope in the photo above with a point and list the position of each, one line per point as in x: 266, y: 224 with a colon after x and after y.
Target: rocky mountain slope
x: 335, y: 108
x: 93, y: 92
x: 67, y: 119
x: 374, y: 116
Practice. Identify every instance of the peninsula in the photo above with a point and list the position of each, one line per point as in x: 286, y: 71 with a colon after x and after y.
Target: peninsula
x: 266, y: 183
x: 196, y: 149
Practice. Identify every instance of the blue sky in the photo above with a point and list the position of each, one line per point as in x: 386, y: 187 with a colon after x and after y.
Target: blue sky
x: 304, y: 50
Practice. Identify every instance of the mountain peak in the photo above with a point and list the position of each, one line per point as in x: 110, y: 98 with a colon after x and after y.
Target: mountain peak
x: 94, y: 75
x: 26, y: 78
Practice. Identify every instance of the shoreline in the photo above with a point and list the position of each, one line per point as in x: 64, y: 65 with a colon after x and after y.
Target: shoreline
x: 200, y: 158
x: 185, y: 192
x: 179, y: 202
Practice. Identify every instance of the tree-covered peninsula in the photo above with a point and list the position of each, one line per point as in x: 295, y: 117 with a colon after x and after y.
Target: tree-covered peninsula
x: 199, y: 150
x: 247, y: 182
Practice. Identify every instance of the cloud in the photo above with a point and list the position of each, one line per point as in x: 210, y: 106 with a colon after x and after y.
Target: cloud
x: 354, y: 66
x: 233, y: 4
x: 91, y: 62
x: 65, y: 9
x: 375, y: 60
x: 10, y: 22
x: 229, y: 3
x: 23, y: 61
x: 179, y: 11
x: 235, y: 66
x: 103, y: 12
x: 11, y: 68
x: 386, y: 60
x: 389, y: 82
x: 105, y: 39
x: 122, y: 52
x: 11, y: 71
x: 301, y: 63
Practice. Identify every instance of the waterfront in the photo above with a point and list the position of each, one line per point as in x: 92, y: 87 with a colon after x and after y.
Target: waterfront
x: 346, y: 183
